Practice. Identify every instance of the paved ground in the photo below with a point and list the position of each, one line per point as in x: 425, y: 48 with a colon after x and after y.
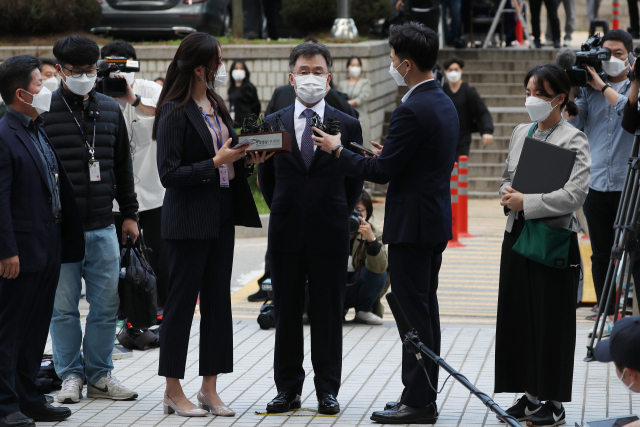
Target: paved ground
x: 371, y: 357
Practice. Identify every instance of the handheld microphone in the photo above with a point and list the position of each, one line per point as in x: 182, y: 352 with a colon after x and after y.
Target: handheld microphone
x: 566, y: 58
x: 408, y: 335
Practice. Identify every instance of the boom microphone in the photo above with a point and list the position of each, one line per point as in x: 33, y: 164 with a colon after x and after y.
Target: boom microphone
x: 404, y: 327
x: 566, y: 58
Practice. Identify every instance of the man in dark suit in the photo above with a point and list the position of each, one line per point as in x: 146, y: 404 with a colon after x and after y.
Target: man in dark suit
x: 416, y: 161
x: 310, y: 202
x: 39, y: 228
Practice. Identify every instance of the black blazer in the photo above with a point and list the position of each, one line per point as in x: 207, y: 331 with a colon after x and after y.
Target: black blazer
x: 284, y: 96
x: 25, y: 202
x: 246, y: 101
x: 416, y: 161
x: 310, y: 206
x: 185, y: 163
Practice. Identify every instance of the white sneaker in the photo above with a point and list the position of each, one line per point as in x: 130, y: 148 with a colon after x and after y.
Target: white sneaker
x: 368, y: 318
x: 71, y: 391
x: 607, y: 327
x: 110, y: 388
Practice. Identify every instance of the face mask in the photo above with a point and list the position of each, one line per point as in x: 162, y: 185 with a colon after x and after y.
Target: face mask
x: 311, y: 89
x: 238, y: 75
x: 399, y: 78
x: 51, y: 84
x: 453, y: 76
x: 129, y: 77
x: 628, y: 387
x: 614, y: 66
x: 539, y: 109
x: 355, y: 71
x: 80, y: 85
x: 41, y: 100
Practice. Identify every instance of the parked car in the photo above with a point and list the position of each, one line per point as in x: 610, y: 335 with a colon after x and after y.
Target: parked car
x: 164, y: 17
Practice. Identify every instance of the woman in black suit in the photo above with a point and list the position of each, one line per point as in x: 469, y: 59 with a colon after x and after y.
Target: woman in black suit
x: 243, y: 95
x: 207, y: 195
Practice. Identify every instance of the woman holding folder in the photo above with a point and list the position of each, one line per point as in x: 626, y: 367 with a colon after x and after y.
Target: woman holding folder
x: 540, y: 264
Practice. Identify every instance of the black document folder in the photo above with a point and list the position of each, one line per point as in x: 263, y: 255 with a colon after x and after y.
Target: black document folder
x: 543, y: 167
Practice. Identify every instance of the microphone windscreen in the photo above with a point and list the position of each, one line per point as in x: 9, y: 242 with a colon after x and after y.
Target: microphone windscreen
x: 102, y: 65
x: 566, y: 58
x: 401, y: 320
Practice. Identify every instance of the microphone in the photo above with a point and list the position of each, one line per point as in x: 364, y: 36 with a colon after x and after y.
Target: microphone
x: 409, y: 336
x: 566, y: 58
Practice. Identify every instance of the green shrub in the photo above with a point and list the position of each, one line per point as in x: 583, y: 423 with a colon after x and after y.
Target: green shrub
x: 257, y: 194
x: 363, y: 11
x: 309, y: 15
x: 47, y: 16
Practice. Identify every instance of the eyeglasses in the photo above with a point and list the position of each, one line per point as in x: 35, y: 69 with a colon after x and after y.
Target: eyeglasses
x: 306, y: 73
x: 91, y: 73
x: 360, y: 210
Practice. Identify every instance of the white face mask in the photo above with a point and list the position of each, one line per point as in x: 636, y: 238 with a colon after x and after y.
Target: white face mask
x: 539, y: 109
x: 221, y: 77
x: 129, y: 77
x: 79, y: 85
x: 399, y: 78
x: 628, y: 387
x: 453, y: 76
x: 41, y: 100
x: 51, y: 83
x: 614, y: 66
x: 238, y: 75
x: 311, y: 89
x: 355, y: 71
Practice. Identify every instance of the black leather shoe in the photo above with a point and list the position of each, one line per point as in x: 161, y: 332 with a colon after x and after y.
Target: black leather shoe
x: 390, y: 405
x: 258, y: 296
x: 404, y: 414
x: 48, y: 413
x: 285, y: 401
x: 17, y: 419
x: 49, y: 398
x: 327, y: 403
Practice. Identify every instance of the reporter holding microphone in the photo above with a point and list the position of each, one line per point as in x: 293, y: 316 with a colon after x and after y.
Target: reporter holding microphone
x: 536, y: 322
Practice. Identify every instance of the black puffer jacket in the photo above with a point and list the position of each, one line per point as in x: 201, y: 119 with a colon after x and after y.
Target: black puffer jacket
x: 94, y: 199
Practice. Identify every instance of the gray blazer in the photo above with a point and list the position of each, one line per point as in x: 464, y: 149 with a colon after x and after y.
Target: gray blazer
x: 558, y: 207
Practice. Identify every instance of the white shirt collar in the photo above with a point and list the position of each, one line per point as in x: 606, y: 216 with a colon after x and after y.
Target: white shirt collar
x: 318, y: 108
x: 408, y: 94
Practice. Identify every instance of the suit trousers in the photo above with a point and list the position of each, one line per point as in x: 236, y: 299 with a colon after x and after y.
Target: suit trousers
x: 26, y: 304
x: 199, y: 266
x: 415, y: 268
x: 327, y: 276
x: 552, y: 16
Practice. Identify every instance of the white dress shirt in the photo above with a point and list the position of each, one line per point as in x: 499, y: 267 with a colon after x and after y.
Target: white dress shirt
x: 300, y: 121
x: 408, y: 94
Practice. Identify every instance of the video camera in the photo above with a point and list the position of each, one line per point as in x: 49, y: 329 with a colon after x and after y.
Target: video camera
x: 112, y: 86
x: 592, y: 54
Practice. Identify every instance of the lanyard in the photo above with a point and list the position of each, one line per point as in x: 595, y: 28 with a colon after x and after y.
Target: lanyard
x: 214, y: 129
x: 92, y: 148
x: 552, y: 129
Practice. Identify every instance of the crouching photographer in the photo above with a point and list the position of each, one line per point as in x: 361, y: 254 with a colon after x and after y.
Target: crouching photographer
x: 368, y: 263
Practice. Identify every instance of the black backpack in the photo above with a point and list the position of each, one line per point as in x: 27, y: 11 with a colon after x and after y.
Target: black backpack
x: 47, y: 376
x: 137, y: 289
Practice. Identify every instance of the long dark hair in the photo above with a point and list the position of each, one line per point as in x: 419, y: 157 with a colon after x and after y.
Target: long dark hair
x: 558, y: 81
x: 197, y: 49
x: 232, y: 82
x: 365, y: 199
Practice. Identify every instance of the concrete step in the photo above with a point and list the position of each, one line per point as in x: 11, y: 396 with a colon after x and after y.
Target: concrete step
x: 486, y: 170
x: 485, y: 89
x: 485, y: 184
x: 504, y: 100
x: 483, y: 195
x: 474, y: 77
x: 509, y: 115
x: 499, y: 66
x: 499, y: 143
x: 500, y: 129
x: 501, y: 54
x: 488, y: 156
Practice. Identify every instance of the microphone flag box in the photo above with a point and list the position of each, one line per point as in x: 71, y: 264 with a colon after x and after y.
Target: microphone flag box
x: 612, y: 422
x: 262, y: 135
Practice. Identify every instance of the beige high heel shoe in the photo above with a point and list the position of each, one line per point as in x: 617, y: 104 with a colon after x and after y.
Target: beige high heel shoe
x: 222, y: 411
x: 170, y: 408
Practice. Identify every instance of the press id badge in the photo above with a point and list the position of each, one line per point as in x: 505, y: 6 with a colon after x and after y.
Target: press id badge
x: 94, y: 171
x: 224, y: 176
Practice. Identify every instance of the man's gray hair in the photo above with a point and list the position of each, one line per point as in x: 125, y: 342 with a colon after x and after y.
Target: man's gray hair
x: 309, y: 49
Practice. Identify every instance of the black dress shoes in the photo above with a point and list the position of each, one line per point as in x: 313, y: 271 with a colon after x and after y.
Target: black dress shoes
x: 391, y: 405
x: 47, y: 413
x: 403, y: 414
x: 285, y: 401
x: 327, y: 403
x: 17, y: 419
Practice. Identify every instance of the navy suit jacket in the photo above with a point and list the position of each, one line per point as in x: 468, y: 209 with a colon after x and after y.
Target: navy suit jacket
x: 310, y: 207
x: 192, y: 201
x: 25, y: 202
x: 416, y: 161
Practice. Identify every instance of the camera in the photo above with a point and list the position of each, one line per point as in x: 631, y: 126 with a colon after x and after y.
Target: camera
x: 267, y: 316
x: 112, y: 86
x: 591, y: 54
x: 354, y: 222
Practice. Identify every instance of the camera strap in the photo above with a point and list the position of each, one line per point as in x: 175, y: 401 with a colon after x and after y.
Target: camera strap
x: 92, y: 147
x: 360, y: 252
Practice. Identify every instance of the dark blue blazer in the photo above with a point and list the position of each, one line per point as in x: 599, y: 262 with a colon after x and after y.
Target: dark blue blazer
x: 310, y: 207
x: 185, y: 163
x: 416, y: 161
x: 25, y: 202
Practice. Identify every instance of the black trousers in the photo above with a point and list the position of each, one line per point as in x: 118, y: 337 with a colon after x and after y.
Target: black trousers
x: 536, y: 323
x: 464, y: 147
x: 199, y: 267
x: 634, y: 18
x: 415, y: 269
x: 26, y: 304
x: 600, y: 208
x: 430, y: 19
x: 149, y: 223
x: 327, y: 276
x: 552, y: 13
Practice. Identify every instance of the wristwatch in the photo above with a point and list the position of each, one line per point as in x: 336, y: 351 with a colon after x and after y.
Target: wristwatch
x: 138, y: 99
x: 607, y: 85
x: 334, y: 150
